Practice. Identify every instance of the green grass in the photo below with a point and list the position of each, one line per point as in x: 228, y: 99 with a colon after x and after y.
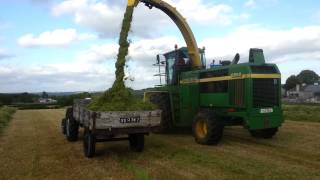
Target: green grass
x: 310, y: 113
x: 139, y: 172
x: 5, y: 116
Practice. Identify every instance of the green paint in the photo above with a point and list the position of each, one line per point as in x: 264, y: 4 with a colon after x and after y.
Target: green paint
x: 118, y: 97
x: 245, y: 96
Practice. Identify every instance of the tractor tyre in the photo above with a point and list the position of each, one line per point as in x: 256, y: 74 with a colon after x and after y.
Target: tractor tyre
x: 136, y: 142
x: 63, y: 126
x: 207, y: 128
x: 69, y: 113
x: 89, y: 144
x: 264, y: 133
x: 72, y: 126
x: 163, y: 102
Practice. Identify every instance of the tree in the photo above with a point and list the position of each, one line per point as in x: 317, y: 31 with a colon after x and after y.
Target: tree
x: 68, y: 100
x: 308, y: 77
x: 291, y: 82
x: 44, y: 95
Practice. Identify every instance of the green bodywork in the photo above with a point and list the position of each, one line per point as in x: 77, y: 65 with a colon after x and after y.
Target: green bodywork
x: 245, y: 94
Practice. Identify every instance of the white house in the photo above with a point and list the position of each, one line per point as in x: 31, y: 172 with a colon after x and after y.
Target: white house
x: 305, y: 93
x: 47, y: 101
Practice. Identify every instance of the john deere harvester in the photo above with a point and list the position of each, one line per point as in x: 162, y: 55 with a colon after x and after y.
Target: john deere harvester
x: 208, y: 99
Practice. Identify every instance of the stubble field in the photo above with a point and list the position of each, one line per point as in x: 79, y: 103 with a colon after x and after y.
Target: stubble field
x: 32, y: 147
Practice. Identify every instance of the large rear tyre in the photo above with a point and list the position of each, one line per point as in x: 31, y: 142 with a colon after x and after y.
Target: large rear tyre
x: 136, y: 142
x: 89, y: 144
x: 163, y: 101
x: 71, y: 126
x: 264, y: 133
x: 207, y: 128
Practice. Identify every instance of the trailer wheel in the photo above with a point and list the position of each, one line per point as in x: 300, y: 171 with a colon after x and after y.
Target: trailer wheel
x: 136, y: 142
x: 72, y: 126
x: 264, y: 133
x: 163, y: 101
x: 207, y: 128
x: 63, y: 126
x: 89, y: 144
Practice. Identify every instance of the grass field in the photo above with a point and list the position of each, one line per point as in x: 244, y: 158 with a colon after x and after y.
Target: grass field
x: 32, y: 147
x: 5, y: 116
x: 310, y: 113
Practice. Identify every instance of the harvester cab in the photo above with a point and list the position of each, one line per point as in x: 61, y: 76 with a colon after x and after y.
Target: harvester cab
x: 177, y: 62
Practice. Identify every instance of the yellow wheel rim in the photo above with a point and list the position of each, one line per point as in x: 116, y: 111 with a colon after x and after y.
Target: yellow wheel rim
x: 201, y: 128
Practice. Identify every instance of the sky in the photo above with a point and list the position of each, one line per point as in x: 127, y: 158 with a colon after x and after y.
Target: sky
x: 71, y: 45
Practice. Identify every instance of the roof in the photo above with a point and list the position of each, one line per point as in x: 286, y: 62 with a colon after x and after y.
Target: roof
x: 312, y: 88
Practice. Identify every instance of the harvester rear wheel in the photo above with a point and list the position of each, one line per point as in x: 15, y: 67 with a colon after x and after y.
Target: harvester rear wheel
x: 71, y: 126
x: 264, y: 133
x: 163, y: 101
x: 89, y: 144
x: 136, y: 142
x: 207, y: 128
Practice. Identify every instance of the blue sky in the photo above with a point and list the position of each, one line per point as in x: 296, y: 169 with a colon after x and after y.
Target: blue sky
x: 53, y: 45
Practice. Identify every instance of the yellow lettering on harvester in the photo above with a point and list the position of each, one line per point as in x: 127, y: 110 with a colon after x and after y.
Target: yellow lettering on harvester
x: 235, y: 75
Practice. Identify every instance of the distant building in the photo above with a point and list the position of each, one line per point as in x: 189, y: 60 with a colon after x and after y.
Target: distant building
x: 305, y: 93
x: 47, y: 101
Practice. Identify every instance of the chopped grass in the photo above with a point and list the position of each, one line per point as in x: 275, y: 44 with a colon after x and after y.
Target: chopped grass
x: 5, y: 116
x: 105, y: 103
x: 118, y: 97
x: 310, y: 113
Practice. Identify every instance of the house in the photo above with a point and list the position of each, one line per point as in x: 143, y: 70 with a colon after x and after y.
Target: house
x: 47, y: 101
x: 305, y: 93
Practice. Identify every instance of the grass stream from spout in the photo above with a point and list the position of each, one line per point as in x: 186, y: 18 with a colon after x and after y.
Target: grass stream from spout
x: 118, y: 97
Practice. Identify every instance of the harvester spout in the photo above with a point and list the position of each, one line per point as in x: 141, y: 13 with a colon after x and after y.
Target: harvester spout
x: 133, y: 2
x: 181, y: 23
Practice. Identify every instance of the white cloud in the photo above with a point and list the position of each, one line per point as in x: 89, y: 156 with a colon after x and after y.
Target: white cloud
x: 250, y: 4
x: 197, y: 11
x: 142, y: 55
x: 55, y: 38
x: 276, y: 43
x: 142, y: 50
x: 90, y: 70
x: 106, y: 18
x: 55, y: 77
x: 98, y: 54
x: 93, y: 69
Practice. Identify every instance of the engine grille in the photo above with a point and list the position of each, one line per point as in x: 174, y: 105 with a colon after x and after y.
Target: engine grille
x: 265, y: 92
x: 237, y: 92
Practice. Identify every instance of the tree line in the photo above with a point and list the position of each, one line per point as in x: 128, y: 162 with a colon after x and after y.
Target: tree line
x: 20, y: 98
x: 304, y: 77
